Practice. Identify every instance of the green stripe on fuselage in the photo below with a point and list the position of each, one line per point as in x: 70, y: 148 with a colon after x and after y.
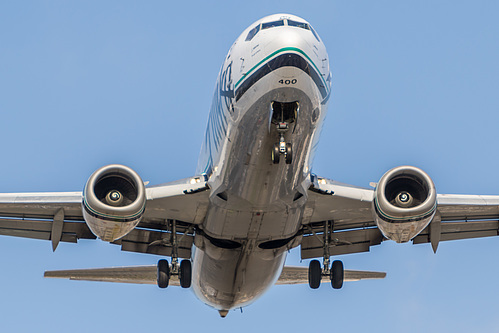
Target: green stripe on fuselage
x: 285, y: 49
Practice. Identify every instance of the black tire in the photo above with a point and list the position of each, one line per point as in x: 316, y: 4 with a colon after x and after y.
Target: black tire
x: 163, y: 273
x: 185, y: 273
x: 276, y: 154
x: 289, y: 153
x: 337, y: 274
x: 314, y: 274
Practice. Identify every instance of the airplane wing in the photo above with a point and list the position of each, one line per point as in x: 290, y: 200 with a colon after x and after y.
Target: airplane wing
x: 58, y: 217
x: 349, y: 208
x: 148, y: 275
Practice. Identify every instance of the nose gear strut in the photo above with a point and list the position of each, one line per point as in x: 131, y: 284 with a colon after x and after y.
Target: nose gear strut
x: 282, y: 147
x: 283, y: 114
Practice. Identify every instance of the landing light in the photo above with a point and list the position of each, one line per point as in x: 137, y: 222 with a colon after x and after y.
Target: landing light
x: 195, y: 180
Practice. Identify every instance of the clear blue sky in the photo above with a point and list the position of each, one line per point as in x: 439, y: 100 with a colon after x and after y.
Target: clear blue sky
x: 84, y: 84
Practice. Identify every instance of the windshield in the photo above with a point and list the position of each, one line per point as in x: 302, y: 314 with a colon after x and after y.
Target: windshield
x: 252, y: 33
x: 302, y: 25
x: 272, y: 24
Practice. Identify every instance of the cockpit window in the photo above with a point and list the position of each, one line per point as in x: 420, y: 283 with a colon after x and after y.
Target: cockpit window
x: 298, y: 24
x: 252, y: 33
x: 272, y: 24
x: 303, y: 25
x: 315, y: 34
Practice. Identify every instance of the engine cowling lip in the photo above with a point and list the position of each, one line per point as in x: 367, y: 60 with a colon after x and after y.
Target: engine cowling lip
x: 113, y: 218
x: 98, y: 209
x: 392, y: 219
x: 391, y: 213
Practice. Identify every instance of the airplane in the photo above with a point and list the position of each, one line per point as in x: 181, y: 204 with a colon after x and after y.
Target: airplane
x: 253, y: 196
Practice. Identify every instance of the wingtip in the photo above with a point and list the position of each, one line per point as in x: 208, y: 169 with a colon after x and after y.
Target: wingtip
x: 49, y: 274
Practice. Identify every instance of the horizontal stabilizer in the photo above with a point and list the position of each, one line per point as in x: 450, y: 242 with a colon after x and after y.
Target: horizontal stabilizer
x: 147, y: 275
x: 135, y: 274
x: 299, y: 275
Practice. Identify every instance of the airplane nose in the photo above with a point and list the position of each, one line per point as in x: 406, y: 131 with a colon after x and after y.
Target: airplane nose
x: 290, y: 38
x: 292, y: 46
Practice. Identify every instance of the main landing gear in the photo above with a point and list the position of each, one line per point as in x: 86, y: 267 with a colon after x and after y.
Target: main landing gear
x: 184, y: 272
x: 335, y: 273
x: 165, y: 270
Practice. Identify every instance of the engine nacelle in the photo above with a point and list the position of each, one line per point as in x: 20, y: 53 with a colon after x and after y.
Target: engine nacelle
x: 114, y: 200
x: 405, y: 202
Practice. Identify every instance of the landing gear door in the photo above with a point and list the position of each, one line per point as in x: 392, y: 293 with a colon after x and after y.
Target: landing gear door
x: 284, y: 113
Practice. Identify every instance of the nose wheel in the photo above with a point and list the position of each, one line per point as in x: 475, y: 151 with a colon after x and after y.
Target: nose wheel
x: 282, y: 147
x: 276, y: 154
x: 289, y: 153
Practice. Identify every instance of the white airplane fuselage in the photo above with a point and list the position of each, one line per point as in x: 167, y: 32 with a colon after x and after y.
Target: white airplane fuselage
x: 256, y: 206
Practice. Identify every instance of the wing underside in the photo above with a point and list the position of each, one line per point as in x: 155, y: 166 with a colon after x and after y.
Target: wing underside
x: 58, y: 217
x: 348, y: 211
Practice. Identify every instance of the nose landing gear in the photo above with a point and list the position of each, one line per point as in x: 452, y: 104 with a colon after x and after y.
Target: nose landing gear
x: 282, y: 115
x: 282, y: 147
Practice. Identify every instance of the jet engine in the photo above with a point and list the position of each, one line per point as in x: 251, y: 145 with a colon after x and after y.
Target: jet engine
x: 114, y: 200
x: 405, y: 201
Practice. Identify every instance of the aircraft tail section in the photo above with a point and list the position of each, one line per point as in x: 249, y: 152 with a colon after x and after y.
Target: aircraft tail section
x: 148, y: 275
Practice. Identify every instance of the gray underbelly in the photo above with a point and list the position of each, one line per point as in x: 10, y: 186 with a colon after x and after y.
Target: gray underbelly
x: 231, y: 278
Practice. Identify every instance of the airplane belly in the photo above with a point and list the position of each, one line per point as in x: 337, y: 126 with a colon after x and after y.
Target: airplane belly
x: 256, y: 206
x: 231, y: 278
x: 248, y: 186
